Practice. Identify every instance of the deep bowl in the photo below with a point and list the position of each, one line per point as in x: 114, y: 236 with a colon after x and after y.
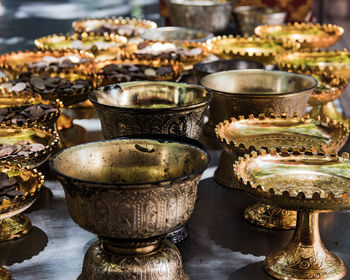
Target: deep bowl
x: 151, y: 108
x: 208, y: 15
x: 249, y: 17
x: 175, y: 33
x: 132, y: 187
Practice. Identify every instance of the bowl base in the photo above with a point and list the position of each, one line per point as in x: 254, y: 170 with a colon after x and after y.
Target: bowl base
x: 178, y: 235
x: 270, y: 217
x: 162, y: 264
x: 14, y: 227
x: 224, y: 173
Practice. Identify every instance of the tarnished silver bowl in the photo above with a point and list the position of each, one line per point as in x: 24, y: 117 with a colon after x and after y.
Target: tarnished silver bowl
x: 151, y: 108
x: 175, y: 33
x: 249, y: 17
x: 208, y: 15
x: 129, y: 191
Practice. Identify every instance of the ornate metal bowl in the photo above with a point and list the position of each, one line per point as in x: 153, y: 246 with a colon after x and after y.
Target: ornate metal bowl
x: 99, y: 45
x: 151, y: 108
x: 308, y: 181
x: 191, y: 14
x: 254, y: 48
x: 308, y: 35
x: 18, y: 100
x: 176, y: 34
x: 115, y: 25
x: 16, y: 62
x: 335, y: 62
x: 127, y: 191
x: 12, y: 134
x: 249, y: 17
x: 245, y: 92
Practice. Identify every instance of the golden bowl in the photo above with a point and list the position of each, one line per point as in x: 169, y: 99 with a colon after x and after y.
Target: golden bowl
x: 245, y: 92
x: 18, y: 101
x: 254, y: 48
x: 128, y: 191
x: 151, y: 108
x: 13, y: 134
x: 335, y: 62
x: 310, y: 182
x: 17, y: 62
x: 136, y: 26
x: 96, y: 44
x: 309, y: 35
x: 74, y: 96
x: 176, y: 67
x: 131, y: 51
x: 13, y: 224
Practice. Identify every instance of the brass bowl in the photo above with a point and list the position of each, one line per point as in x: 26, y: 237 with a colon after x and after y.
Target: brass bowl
x: 241, y: 136
x: 245, y: 92
x: 175, y: 33
x: 151, y: 108
x: 254, y: 48
x: 307, y: 181
x: 249, y: 17
x: 16, y: 62
x: 309, y: 35
x: 10, y: 134
x: 177, y: 69
x: 68, y: 98
x: 13, y: 224
x: 335, y: 62
x: 129, y: 51
x: 109, y: 43
x: 128, y: 191
x: 18, y: 100
x: 90, y: 24
x: 208, y: 15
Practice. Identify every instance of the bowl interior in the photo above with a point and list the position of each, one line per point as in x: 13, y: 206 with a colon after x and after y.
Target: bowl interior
x: 129, y: 161
x: 258, y: 82
x: 150, y: 95
x: 225, y: 65
x: 199, y: 2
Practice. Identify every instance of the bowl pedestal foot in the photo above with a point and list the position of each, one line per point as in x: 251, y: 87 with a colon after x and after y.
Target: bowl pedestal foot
x: 328, y: 110
x: 153, y: 259
x: 270, y: 217
x: 14, y: 227
x: 305, y: 257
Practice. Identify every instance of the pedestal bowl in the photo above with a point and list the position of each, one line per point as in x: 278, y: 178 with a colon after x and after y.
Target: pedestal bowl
x: 309, y: 182
x: 241, y: 136
x: 151, y: 108
x: 245, y: 92
x: 208, y: 15
x: 308, y: 35
x: 131, y: 191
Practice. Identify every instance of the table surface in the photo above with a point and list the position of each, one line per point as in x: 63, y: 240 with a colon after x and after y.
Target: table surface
x: 221, y: 246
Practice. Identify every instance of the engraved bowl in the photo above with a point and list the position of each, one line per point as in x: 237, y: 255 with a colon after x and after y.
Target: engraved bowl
x: 133, y: 187
x: 151, y: 108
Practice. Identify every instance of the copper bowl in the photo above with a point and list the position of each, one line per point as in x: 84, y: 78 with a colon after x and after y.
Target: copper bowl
x: 151, y: 108
x: 133, y: 187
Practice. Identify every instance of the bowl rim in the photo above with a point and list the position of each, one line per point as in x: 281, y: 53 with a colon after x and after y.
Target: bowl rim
x: 241, y: 94
x: 197, y: 67
x: 158, y: 30
x: 201, y: 3
x: 248, y: 8
x: 205, y: 102
x: 161, y: 138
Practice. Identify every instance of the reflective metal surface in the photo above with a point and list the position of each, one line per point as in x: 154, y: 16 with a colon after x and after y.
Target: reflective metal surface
x: 249, y: 17
x: 176, y: 34
x: 190, y: 14
x: 151, y: 108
